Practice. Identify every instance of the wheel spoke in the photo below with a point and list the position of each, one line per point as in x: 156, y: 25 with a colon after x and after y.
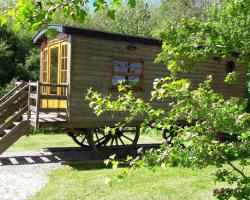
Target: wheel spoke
x: 105, y: 141
x: 121, y: 140
x: 116, y: 141
x: 98, y: 140
x: 83, y: 140
x: 79, y: 136
x: 127, y: 138
x: 101, y: 131
x: 96, y: 134
x: 112, y: 141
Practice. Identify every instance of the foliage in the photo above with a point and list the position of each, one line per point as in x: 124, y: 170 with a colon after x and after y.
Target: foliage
x: 6, y: 63
x: 35, y: 14
x: 136, y: 21
x: 225, y: 33
x: 175, y: 10
x: 203, y: 112
x: 8, y: 87
x: 196, y: 143
x: 19, y: 59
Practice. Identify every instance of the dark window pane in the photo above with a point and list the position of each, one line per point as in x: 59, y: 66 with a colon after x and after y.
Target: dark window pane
x: 127, y: 67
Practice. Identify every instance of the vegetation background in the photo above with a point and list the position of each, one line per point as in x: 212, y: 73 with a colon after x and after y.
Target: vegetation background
x: 19, y: 58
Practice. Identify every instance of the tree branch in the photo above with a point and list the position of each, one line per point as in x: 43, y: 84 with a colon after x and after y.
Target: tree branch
x: 234, y: 167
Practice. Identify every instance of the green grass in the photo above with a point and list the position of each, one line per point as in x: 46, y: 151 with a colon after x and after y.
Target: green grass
x: 39, y: 141
x: 89, y: 183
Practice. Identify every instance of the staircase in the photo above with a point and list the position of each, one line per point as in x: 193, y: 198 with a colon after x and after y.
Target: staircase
x: 12, y: 108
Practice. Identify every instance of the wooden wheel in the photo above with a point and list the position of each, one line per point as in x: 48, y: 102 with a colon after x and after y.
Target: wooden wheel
x: 79, y: 135
x: 120, y: 142
x: 168, y: 135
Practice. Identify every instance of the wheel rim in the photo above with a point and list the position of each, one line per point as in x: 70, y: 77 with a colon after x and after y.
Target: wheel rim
x: 125, y: 138
x: 168, y: 135
x: 80, y: 136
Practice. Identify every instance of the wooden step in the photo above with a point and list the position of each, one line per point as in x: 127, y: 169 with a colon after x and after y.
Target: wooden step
x: 16, y: 123
x: 13, y: 135
x: 15, y: 118
x: 7, y: 131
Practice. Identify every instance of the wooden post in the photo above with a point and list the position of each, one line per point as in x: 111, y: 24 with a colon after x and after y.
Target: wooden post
x: 37, y: 105
x: 67, y: 104
x: 29, y: 112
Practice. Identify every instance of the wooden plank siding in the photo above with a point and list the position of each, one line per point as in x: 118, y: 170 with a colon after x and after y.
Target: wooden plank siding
x: 91, y: 62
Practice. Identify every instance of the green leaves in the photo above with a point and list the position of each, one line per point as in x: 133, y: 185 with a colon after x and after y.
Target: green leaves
x: 132, y: 3
x: 3, y: 20
x: 232, y: 77
x: 204, y: 115
x: 51, y: 33
x: 37, y: 14
x: 111, y: 13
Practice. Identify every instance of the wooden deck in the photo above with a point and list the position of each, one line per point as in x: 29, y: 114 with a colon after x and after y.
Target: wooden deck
x: 48, y: 120
x: 45, y: 110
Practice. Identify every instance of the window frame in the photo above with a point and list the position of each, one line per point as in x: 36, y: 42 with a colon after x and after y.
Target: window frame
x: 140, y: 75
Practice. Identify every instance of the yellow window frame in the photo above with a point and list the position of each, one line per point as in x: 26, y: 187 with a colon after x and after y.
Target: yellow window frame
x: 48, y: 103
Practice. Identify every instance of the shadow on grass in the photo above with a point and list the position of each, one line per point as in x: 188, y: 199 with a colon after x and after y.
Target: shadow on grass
x: 93, y: 166
x: 76, y: 157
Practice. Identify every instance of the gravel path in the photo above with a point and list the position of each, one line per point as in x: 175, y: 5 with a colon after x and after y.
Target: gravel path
x: 19, y: 181
x: 23, y: 174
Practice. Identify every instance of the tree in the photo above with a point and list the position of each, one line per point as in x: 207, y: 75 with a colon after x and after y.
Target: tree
x: 224, y: 33
x: 6, y: 63
x: 127, y: 20
x: 175, y: 10
x: 19, y: 59
x: 36, y: 14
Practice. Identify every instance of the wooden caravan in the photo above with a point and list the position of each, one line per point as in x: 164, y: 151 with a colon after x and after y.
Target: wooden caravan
x: 77, y: 59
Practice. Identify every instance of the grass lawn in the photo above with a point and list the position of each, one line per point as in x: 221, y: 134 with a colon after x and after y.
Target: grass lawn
x: 39, y: 141
x: 90, y: 183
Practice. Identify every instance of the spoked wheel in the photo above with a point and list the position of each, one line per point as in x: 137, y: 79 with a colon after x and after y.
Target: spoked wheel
x: 106, y: 143
x: 79, y: 135
x: 168, y: 135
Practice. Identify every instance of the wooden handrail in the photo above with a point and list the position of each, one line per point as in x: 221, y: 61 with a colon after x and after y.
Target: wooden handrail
x: 11, y: 100
x: 4, y: 114
x: 10, y: 93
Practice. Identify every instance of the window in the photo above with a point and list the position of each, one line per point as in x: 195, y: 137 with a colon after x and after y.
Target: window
x: 127, y: 71
x: 64, y: 63
x: 230, y: 66
x: 45, y: 73
x: 64, y: 67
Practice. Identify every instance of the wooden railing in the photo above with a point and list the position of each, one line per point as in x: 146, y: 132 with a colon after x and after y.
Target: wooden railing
x: 18, y: 86
x: 42, y: 99
x: 13, y: 105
